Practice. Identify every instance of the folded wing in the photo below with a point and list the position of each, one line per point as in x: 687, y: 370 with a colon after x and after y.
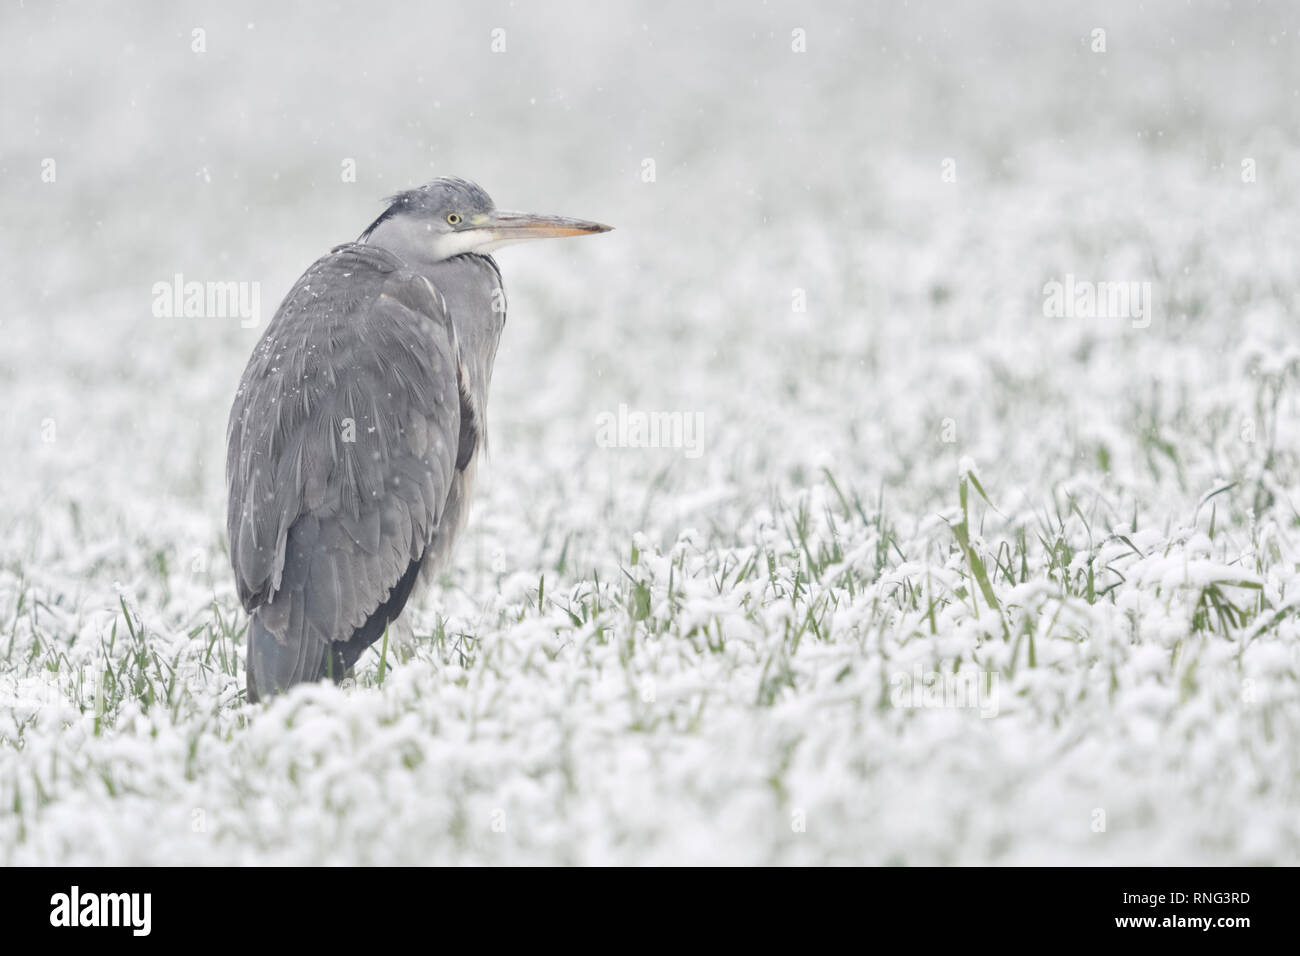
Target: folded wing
x: 343, y: 444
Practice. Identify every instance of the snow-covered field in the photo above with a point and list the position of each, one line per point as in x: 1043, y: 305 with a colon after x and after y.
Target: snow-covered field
x: 944, y: 576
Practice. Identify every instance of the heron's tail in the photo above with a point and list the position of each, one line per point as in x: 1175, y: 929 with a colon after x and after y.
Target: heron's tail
x: 275, y: 665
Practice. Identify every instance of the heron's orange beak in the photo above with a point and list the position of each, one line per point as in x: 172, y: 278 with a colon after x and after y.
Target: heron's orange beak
x: 520, y: 226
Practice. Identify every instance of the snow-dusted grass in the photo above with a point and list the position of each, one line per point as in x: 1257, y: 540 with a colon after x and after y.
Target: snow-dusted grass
x: 951, y: 581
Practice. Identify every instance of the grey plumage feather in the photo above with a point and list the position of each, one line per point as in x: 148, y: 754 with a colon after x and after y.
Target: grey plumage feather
x: 343, y: 448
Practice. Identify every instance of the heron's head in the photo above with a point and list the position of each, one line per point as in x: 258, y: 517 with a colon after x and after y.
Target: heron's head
x: 450, y: 217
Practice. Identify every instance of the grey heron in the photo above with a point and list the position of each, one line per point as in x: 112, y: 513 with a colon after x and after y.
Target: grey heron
x: 356, y: 429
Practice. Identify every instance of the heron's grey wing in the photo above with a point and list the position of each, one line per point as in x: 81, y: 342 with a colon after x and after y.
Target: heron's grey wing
x: 342, y: 448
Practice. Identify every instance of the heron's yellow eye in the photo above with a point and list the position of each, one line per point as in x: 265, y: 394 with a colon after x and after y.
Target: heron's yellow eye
x: 453, y: 218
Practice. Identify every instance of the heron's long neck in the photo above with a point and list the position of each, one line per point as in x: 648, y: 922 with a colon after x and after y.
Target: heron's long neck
x: 407, y: 238
x: 472, y: 287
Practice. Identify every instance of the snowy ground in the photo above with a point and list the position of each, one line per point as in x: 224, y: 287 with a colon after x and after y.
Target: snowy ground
x: 760, y: 653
